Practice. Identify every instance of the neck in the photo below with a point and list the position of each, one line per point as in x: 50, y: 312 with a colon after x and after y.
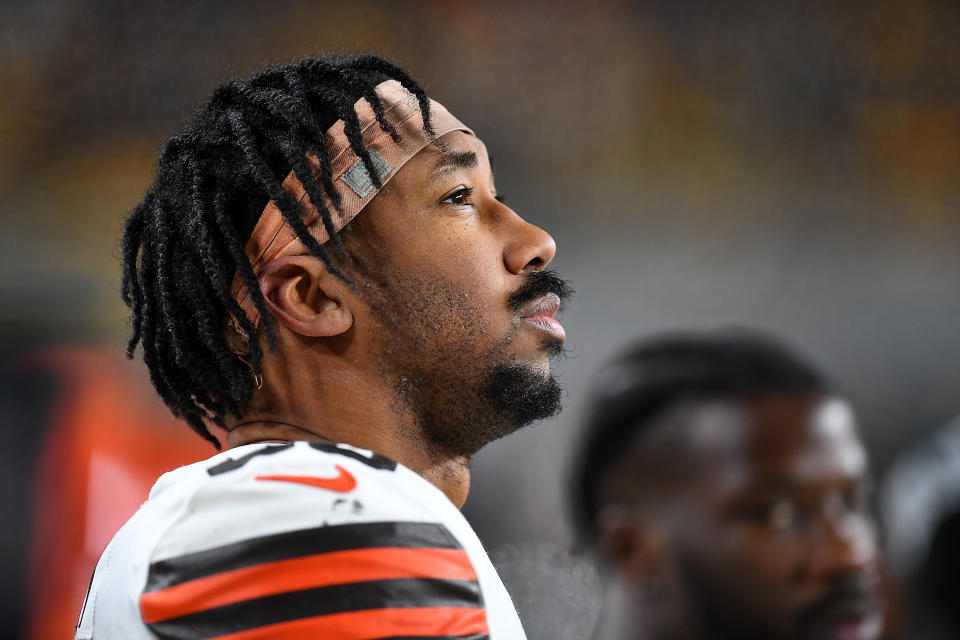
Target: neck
x: 344, y: 404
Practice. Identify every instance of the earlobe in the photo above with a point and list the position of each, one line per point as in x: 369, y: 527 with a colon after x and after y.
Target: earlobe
x: 305, y: 297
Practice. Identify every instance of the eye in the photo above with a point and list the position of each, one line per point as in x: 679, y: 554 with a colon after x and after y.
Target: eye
x: 782, y: 515
x: 460, y: 197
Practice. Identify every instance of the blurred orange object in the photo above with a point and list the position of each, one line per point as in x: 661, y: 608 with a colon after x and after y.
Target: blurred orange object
x: 108, y: 440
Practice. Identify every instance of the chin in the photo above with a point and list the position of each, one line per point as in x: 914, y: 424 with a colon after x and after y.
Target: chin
x: 514, y: 396
x: 523, y: 394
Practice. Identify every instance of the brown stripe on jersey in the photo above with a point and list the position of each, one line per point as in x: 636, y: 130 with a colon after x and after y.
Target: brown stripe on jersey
x: 305, y: 572
x: 312, y: 603
x: 378, y: 624
x: 293, y: 544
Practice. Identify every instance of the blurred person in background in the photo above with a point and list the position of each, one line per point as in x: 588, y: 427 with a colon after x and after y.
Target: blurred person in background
x: 724, y: 481
x: 356, y: 363
x: 920, y: 504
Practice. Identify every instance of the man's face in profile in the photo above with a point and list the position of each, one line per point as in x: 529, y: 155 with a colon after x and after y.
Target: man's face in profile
x: 459, y: 308
x: 767, y: 528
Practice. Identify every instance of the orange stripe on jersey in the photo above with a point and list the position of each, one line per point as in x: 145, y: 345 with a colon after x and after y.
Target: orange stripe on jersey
x: 306, y: 572
x: 372, y: 624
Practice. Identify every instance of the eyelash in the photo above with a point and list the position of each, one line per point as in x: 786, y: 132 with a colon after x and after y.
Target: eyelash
x: 466, y: 193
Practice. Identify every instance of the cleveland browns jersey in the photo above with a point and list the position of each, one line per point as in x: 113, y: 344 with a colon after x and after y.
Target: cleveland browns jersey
x: 296, y: 540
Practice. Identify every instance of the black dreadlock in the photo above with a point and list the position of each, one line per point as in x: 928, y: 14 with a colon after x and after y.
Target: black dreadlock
x: 185, y: 241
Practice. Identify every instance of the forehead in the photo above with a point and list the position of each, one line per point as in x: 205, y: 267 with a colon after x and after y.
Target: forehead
x: 456, y: 150
x: 786, y: 438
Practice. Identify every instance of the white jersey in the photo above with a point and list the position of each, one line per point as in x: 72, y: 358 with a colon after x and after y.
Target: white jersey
x: 296, y: 540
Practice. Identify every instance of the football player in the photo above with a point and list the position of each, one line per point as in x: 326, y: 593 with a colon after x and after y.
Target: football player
x: 324, y: 268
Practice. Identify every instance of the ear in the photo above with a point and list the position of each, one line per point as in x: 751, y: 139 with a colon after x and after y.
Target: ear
x: 305, y: 297
x: 630, y: 543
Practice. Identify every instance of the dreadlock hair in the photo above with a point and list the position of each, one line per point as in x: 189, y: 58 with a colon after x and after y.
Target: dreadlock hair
x: 185, y: 241
x: 657, y: 375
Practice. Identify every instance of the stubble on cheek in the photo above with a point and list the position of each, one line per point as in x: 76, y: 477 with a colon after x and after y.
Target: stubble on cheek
x: 438, y: 348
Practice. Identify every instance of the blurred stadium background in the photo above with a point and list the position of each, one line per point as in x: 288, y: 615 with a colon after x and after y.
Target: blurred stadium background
x: 791, y: 166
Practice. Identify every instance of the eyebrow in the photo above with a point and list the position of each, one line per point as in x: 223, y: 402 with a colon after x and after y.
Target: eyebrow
x: 450, y: 160
x: 778, y: 483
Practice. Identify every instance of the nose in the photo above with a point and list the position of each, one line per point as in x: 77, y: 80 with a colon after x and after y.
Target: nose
x: 527, y: 247
x: 848, y: 546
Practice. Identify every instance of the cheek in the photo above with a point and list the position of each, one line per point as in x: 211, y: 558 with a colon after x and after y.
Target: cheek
x: 439, y: 316
x: 443, y: 280
x: 458, y: 254
x: 755, y: 562
x: 739, y: 572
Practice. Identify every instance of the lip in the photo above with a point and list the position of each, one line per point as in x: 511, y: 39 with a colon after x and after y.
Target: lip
x: 865, y: 626
x: 853, y: 623
x: 540, y: 313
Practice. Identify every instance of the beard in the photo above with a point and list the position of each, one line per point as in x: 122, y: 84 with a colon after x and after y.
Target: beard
x: 724, y: 607
x: 506, y: 398
x: 457, y: 387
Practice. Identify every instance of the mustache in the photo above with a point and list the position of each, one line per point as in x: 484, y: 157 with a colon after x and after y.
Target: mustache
x: 538, y: 284
x: 854, y: 595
